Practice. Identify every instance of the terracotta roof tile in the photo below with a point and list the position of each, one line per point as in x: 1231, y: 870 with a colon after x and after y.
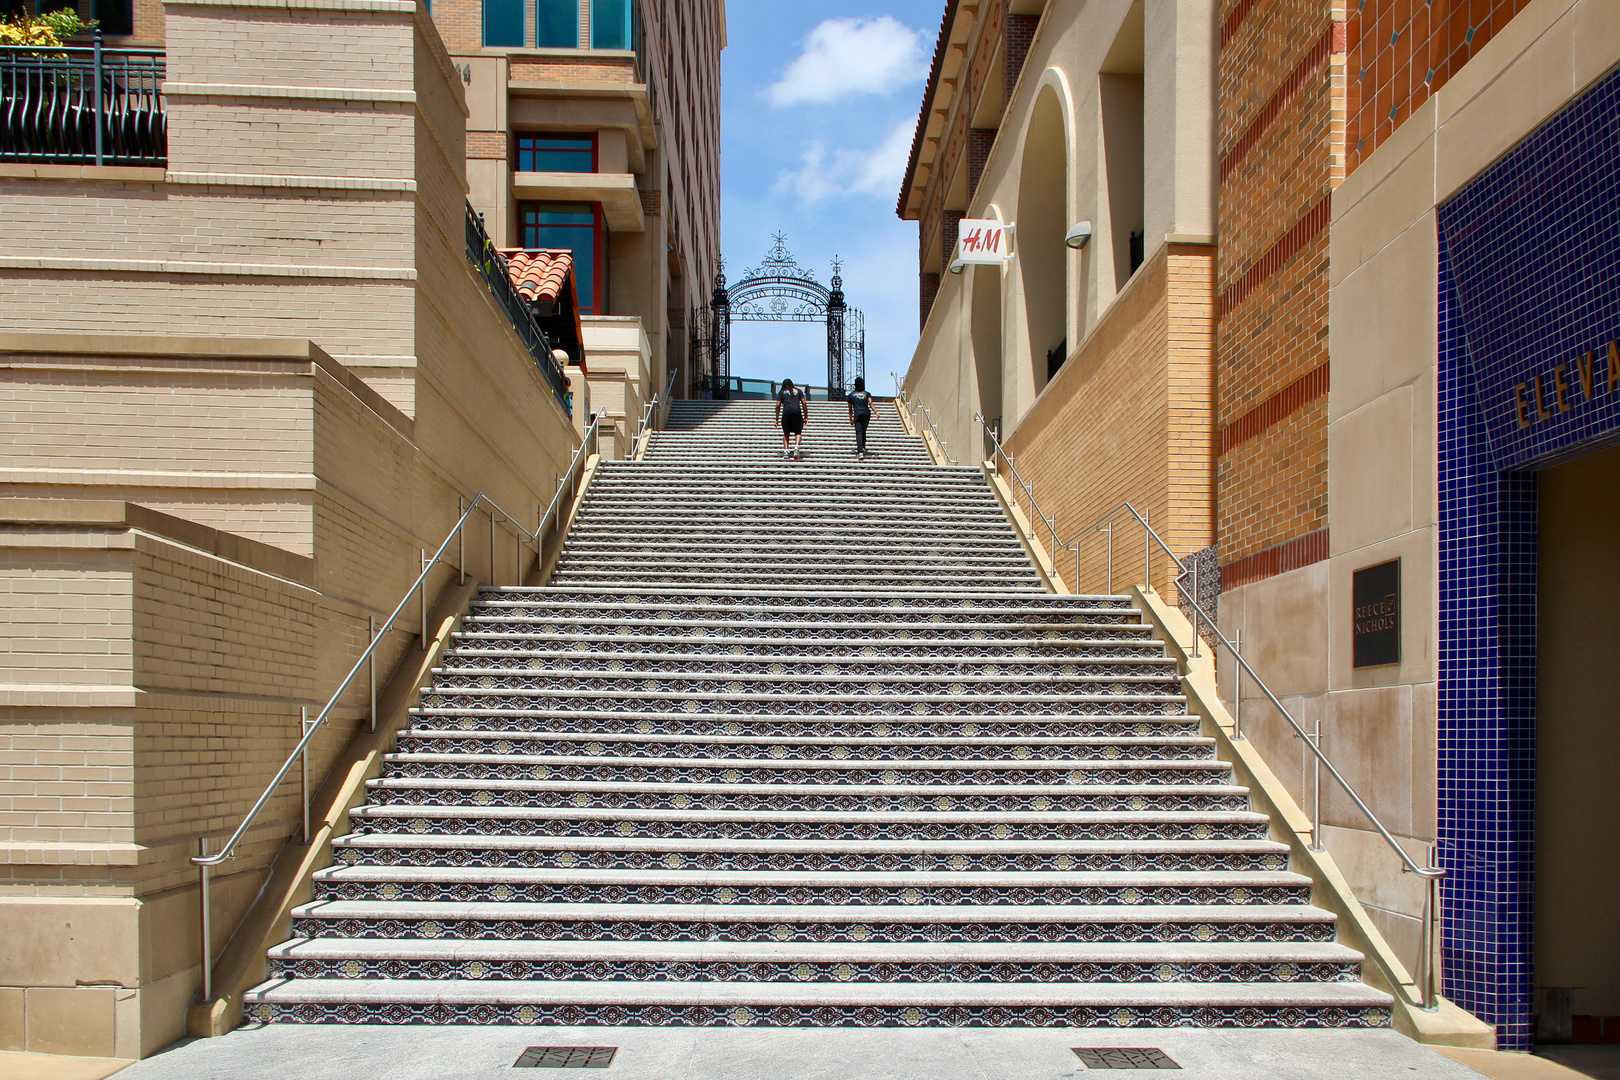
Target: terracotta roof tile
x: 539, y: 274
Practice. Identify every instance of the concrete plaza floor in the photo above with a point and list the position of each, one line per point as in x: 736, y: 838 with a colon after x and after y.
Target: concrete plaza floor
x: 335, y: 1052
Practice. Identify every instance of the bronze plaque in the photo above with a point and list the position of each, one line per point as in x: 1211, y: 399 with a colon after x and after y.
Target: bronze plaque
x: 1376, y: 629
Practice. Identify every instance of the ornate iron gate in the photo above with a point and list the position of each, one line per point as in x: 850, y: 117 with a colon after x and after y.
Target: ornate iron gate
x: 779, y: 290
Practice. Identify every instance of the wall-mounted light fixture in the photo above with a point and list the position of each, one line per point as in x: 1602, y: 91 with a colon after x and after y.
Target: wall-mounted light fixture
x: 1078, y: 236
x: 957, y: 265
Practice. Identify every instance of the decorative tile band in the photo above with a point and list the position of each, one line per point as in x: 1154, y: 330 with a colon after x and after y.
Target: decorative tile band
x: 1289, y: 555
x: 399, y: 853
x: 1291, y: 398
x: 824, y: 1015
x: 788, y: 896
x: 832, y: 971
x: 877, y: 931
x: 486, y: 760
x: 551, y: 722
x: 575, y: 824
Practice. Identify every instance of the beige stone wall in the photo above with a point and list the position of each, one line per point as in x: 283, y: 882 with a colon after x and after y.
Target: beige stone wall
x: 170, y: 343
x: 1379, y: 724
x: 1132, y: 405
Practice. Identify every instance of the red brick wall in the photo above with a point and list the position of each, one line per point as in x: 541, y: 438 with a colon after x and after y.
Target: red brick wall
x: 1280, y: 132
x: 1401, y: 51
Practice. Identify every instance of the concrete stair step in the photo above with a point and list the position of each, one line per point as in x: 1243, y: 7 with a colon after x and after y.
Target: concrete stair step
x: 844, y: 962
x: 810, y: 648
x: 535, y: 747
x: 500, y: 719
x: 867, y: 660
x: 613, y: 853
x: 758, y: 823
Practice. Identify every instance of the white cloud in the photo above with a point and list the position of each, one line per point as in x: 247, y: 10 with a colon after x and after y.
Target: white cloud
x: 848, y: 57
x: 876, y: 172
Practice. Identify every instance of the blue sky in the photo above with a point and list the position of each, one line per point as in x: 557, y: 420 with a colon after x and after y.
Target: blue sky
x: 819, y: 101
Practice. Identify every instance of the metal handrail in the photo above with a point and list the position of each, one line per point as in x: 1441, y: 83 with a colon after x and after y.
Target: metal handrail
x: 647, y: 413
x: 1432, y: 874
x: 204, y: 860
x: 911, y: 408
x: 78, y: 104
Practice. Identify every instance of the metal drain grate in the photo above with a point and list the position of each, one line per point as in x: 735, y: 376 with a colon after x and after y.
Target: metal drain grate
x: 1123, y: 1057
x: 566, y: 1057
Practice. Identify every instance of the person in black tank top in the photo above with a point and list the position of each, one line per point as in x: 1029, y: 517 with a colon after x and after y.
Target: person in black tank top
x: 862, y: 407
x: 792, y: 411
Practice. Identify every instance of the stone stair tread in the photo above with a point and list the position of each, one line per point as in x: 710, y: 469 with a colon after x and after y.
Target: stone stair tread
x: 847, y: 878
x: 808, y: 817
x: 531, y: 911
x: 899, y: 847
x: 919, y: 742
x: 1300, y: 952
x: 798, y: 643
x: 456, y: 991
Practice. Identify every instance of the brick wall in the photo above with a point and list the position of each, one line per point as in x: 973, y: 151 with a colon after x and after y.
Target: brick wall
x: 1134, y: 404
x: 1280, y: 145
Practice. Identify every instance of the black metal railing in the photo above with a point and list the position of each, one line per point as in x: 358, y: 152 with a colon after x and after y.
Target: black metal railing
x: 491, y: 265
x: 82, y: 106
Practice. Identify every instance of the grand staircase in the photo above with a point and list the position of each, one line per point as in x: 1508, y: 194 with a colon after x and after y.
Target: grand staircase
x: 806, y: 743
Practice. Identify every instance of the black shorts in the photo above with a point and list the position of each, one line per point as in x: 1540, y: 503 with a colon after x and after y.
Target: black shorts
x: 792, y: 425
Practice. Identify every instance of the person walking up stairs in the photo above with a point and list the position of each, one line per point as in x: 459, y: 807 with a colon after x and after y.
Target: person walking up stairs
x: 833, y: 760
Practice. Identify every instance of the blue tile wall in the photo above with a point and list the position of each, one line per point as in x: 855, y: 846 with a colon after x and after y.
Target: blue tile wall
x: 1529, y: 280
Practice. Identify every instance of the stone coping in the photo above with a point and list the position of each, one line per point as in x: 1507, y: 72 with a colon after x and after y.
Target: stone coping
x: 115, y: 514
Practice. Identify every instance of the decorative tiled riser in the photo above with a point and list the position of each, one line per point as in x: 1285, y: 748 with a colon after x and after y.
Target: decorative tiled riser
x: 867, y: 680
x: 843, y: 972
x: 825, y: 1016
x: 849, y: 862
x: 707, y: 930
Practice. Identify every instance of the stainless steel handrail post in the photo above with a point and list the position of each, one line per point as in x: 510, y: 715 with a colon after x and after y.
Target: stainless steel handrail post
x: 493, y: 578
x: 371, y: 666
x: 1110, y: 532
x: 461, y: 546
x: 1316, y: 785
x: 1195, y: 608
x: 303, y: 769
x: 422, y: 594
x: 207, y: 922
x: 1237, y: 688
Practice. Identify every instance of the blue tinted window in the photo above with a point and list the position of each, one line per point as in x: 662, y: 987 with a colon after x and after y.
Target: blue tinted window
x: 556, y: 24
x: 610, y: 24
x: 571, y: 226
x: 556, y: 153
x: 503, y: 23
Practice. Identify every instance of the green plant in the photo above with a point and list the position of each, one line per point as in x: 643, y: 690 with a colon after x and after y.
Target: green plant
x: 21, y: 28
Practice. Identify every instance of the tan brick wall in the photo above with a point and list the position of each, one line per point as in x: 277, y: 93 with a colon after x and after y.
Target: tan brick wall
x: 152, y: 688
x: 1127, y: 418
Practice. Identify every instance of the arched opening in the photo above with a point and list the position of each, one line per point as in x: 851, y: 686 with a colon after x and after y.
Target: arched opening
x: 1042, y: 219
x: 1120, y: 92
x: 986, y: 337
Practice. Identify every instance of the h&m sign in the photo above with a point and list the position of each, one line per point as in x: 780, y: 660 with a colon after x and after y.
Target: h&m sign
x: 983, y: 242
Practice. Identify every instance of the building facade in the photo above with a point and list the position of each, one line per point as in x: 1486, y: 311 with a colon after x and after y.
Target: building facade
x: 594, y: 126
x: 256, y: 357
x: 1400, y: 452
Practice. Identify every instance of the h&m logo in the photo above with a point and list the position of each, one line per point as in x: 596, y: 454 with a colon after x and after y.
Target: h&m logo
x: 1542, y: 397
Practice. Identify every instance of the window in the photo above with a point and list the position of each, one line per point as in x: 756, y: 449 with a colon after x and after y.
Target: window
x: 503, y: 24
x: 610, y: 24
x: 575, y: 226
x: 116, y: 17
x: 556, y: 153
x: 556, y: 24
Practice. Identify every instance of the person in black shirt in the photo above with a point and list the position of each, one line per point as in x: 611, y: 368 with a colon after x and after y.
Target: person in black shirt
x: 792, y: 411
x: 862, y: 407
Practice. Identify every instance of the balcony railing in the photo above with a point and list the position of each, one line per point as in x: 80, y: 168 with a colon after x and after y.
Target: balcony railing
x: 82, y: 106
x: 491, y: 265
